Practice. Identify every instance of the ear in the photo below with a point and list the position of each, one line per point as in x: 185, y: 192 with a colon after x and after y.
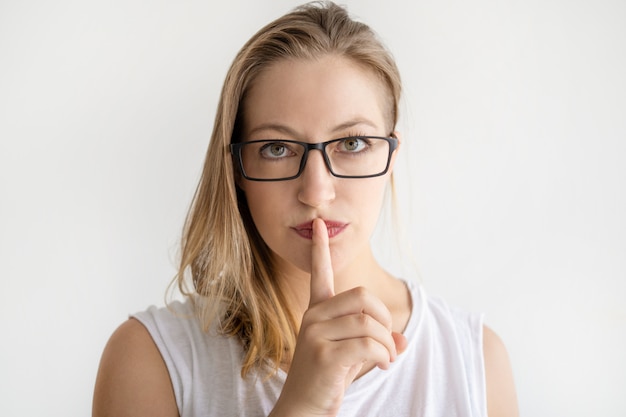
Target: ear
x: 397, y: 135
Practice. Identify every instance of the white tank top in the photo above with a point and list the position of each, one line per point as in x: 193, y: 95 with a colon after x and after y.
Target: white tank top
x: 440, y: 374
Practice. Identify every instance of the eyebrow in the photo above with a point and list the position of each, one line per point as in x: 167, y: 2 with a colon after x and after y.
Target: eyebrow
x: 292, y: 132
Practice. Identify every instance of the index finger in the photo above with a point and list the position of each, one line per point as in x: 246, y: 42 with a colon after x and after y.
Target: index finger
x: 322, y: 279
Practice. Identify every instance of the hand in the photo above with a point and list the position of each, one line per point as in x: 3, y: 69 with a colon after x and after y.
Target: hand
x: 339, y: 335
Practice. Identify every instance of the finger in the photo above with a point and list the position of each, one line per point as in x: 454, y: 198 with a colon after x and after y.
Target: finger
x: 400, y: 341
x: 355, y: 326
x: 354, y: 301
x: 322, y: 280
x: 360, y: 351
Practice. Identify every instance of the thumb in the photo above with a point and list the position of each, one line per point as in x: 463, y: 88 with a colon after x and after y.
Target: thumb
x: 322, y: 279
x: 401, y: 342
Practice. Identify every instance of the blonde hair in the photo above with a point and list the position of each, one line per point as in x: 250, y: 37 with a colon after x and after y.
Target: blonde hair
x: 233, y: 279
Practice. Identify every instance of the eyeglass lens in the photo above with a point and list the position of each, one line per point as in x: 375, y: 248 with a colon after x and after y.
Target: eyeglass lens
x: 351, y: 157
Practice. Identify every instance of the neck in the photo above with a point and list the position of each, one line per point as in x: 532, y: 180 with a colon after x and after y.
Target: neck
x: 362, y: 272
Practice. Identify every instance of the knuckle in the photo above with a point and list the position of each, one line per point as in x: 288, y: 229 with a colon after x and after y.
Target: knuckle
x: 307, y: 318
x: 311, y: 331
x: 363, y: 320
x: 361, y: 293
x: 368, y: 343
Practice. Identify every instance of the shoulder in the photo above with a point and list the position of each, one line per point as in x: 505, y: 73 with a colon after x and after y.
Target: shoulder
x: 474, y: 347
x: 133, y: 378
x: 501, y: 397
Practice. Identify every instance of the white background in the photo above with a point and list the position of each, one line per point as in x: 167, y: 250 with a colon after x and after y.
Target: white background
x: 512, y: 178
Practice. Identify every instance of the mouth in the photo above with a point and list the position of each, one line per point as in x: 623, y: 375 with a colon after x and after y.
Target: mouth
x: 334, y: 228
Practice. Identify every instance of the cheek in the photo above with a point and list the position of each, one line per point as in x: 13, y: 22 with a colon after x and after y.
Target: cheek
x: 268, y: 203
x: 373, y: 193
x: 379, y: 195
x: 366, y: 199
x: 256, y: 203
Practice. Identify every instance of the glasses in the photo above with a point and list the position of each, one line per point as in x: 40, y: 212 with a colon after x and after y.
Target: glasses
x: 280, y: 160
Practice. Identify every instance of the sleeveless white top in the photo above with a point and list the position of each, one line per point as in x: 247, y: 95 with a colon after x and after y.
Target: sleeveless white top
x: 441, y: 373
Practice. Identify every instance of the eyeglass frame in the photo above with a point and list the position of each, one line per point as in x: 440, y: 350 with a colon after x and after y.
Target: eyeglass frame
x: 235, y: 150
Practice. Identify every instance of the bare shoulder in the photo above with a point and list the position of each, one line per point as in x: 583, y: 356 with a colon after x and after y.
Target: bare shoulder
x: 501, y: 396
x: 133, y: 379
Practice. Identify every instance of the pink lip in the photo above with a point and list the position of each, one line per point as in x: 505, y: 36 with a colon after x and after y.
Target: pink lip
x: 305, y: 230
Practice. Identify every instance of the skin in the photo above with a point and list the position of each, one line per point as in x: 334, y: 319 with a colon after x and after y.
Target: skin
x: 341, y: 99
x: 340, y: 335
x: 353, y: 312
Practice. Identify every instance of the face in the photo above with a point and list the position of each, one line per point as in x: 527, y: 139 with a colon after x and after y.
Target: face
x: 315, y: 101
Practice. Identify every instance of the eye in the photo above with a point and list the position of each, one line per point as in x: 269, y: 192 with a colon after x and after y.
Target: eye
x: 352, y: 145
x: 275, y: 150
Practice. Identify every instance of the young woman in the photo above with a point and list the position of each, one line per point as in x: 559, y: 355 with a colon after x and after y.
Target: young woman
x: 287, y: 311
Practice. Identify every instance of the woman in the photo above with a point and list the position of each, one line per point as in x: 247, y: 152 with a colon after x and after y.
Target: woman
x: 287, y: 312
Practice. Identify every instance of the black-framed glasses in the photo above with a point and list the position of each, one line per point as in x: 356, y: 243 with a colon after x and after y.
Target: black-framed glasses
x: 280, y: 160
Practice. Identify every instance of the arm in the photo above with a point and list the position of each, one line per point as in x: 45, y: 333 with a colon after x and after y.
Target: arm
x: 501, y: 397
x: 133, y: 379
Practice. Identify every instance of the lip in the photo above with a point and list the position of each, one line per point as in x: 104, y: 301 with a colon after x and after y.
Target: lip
x: 334, y: 228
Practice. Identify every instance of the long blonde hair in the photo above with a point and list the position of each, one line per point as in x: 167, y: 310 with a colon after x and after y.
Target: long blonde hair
x: 233, y: 280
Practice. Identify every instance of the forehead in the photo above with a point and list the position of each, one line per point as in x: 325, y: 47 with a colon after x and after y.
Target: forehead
x: 315, y: 96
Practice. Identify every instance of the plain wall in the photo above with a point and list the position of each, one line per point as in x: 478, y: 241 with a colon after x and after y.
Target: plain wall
x: 512, y: 179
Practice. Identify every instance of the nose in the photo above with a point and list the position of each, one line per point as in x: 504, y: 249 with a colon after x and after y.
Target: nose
x: 317, y: 187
